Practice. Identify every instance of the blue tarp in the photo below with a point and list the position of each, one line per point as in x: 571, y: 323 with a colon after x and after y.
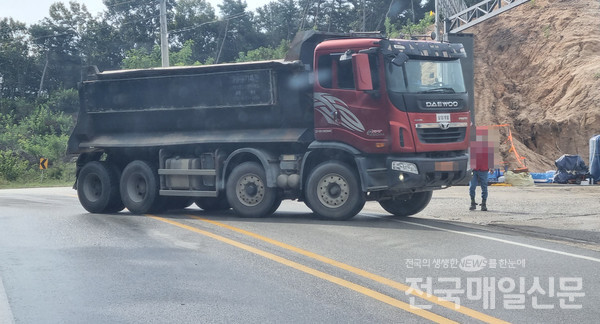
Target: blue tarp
x: 545, y: 177
x: 571, y: 169
x: 595, y: 158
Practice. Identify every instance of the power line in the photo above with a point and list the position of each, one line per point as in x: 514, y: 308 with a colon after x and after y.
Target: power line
x: 234, y: 16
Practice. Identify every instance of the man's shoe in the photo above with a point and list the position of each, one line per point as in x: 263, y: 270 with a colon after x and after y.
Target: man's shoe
x: 473, y: 206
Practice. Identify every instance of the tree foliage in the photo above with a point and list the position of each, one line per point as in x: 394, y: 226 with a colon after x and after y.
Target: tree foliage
x: 41, y: 64
x: 265, y: 53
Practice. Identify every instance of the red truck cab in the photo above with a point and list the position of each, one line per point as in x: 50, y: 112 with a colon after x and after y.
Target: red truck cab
x: 402, y: 99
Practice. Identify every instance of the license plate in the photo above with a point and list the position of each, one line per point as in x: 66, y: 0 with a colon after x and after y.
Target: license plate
x: 446, y: 166
x: 442, y: 118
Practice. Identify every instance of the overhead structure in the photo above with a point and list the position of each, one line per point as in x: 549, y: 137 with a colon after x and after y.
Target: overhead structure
x: 480, y: 12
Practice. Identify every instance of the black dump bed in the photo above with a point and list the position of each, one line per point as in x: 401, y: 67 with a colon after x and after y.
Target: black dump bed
x: 246, y: 102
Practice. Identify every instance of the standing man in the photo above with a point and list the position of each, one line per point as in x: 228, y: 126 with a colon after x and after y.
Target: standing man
x: 482, y: 160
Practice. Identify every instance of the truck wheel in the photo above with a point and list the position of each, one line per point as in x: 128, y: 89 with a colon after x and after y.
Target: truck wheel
x: 98, y: 188
x: 275, y: 206
x: 139, y: 188
x: 333, y: 191
x: 247, y: 191
x: 213, y: 203
x: 407, y: 205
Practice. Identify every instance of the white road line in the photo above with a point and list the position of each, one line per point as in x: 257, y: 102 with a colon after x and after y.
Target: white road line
x: 495, y: 239
x: 6, y: 316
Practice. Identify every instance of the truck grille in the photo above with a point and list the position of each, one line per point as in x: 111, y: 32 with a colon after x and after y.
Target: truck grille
x: 438, y: 135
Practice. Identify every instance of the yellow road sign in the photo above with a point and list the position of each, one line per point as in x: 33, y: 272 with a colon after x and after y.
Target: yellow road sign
x: 43, y: 164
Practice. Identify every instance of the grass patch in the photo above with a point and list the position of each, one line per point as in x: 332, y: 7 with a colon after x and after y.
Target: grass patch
x: 36, y: 184
x: 59, y: 175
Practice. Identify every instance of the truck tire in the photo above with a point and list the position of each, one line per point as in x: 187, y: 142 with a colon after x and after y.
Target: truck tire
x: 407, y: 205
x: 213, y: 203
x: 98, y: 188
x: 139, y: 188
x: 247, y: 191
x: 333, y: 191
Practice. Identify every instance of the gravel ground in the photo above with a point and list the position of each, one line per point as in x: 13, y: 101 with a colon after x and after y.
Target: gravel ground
x: 568, y: 213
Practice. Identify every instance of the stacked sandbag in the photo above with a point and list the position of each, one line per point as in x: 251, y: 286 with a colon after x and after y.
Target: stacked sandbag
x: 520, y: 179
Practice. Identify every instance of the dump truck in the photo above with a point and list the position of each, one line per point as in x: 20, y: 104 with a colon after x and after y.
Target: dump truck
x: 345, y: 118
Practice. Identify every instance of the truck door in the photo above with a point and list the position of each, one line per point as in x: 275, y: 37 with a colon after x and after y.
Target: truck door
x: 343, y: 113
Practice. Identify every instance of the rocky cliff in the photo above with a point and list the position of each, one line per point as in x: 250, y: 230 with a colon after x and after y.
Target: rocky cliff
x: 537, y: 68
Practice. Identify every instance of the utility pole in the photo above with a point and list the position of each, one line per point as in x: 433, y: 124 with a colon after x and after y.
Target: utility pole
x: 164, y: 38
x: 223, y: 43
x: 437, y: 26
x: 364, y: 16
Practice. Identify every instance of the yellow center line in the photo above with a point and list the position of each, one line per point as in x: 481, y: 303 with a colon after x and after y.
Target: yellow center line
x: 319, y: 274
x: 388, y: 282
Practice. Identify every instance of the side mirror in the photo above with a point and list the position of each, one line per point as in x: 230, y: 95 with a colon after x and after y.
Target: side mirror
x: 362, y: 72
x: 400, y: 59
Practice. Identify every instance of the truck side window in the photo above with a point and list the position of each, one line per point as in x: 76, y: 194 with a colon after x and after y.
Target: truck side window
x: 324, y: 71
x: 345, y: 75
x: 374, y: 65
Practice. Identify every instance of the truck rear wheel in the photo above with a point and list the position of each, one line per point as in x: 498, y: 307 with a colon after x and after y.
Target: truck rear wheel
x: 247, y: 191
x: 139, y: 188
x: 98, y: 188
x: 333, y: 191
x: 407, y: 205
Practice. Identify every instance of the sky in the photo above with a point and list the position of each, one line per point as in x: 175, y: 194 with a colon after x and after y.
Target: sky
x: 32, y: 11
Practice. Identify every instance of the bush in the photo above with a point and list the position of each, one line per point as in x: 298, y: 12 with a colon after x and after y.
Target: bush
x: 41, y: 134
x: 66, y: 100
x: 11, y: 166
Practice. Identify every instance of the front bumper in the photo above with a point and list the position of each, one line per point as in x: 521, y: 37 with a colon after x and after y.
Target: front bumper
x: 433, y: 173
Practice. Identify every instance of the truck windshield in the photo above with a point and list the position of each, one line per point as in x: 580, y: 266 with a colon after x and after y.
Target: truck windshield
x: 425, y: 76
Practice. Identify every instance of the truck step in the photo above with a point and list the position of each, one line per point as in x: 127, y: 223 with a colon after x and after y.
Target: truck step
x: 192, y: 172
x: 188, y: 193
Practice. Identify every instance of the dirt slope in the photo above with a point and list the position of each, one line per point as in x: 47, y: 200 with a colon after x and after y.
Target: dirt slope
x: 537, y: 67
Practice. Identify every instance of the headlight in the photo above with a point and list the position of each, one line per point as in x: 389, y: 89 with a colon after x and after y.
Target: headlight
x: 405, y: 167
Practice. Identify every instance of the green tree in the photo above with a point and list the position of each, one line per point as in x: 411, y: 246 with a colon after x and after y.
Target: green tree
x: 278, y: 20
x: 56, y: 39
x: 368, y: 15
x: 195, y: 20
x: 138, y: 21
x: 43, y: 133
x: 141, y: 59
x: 101, y: 44
x: 237, y: 31
x: 405, y: 13
x: 18, y: 72
x: 265, y: 53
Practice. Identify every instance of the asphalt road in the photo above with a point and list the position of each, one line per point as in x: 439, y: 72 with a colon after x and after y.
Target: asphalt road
x: 515, y: 263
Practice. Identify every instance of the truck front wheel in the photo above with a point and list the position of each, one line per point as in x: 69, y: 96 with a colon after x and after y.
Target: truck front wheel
x: 407, y: 205
x: 139, y: 188
x: 98, y: 188
x: 247, y: 191
x: 333, y: 191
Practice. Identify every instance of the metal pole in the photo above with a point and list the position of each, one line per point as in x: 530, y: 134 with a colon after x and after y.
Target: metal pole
x: 364, y: 17
x: 437, y: 26
x: 164, y: 38
x: 223, y: 43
